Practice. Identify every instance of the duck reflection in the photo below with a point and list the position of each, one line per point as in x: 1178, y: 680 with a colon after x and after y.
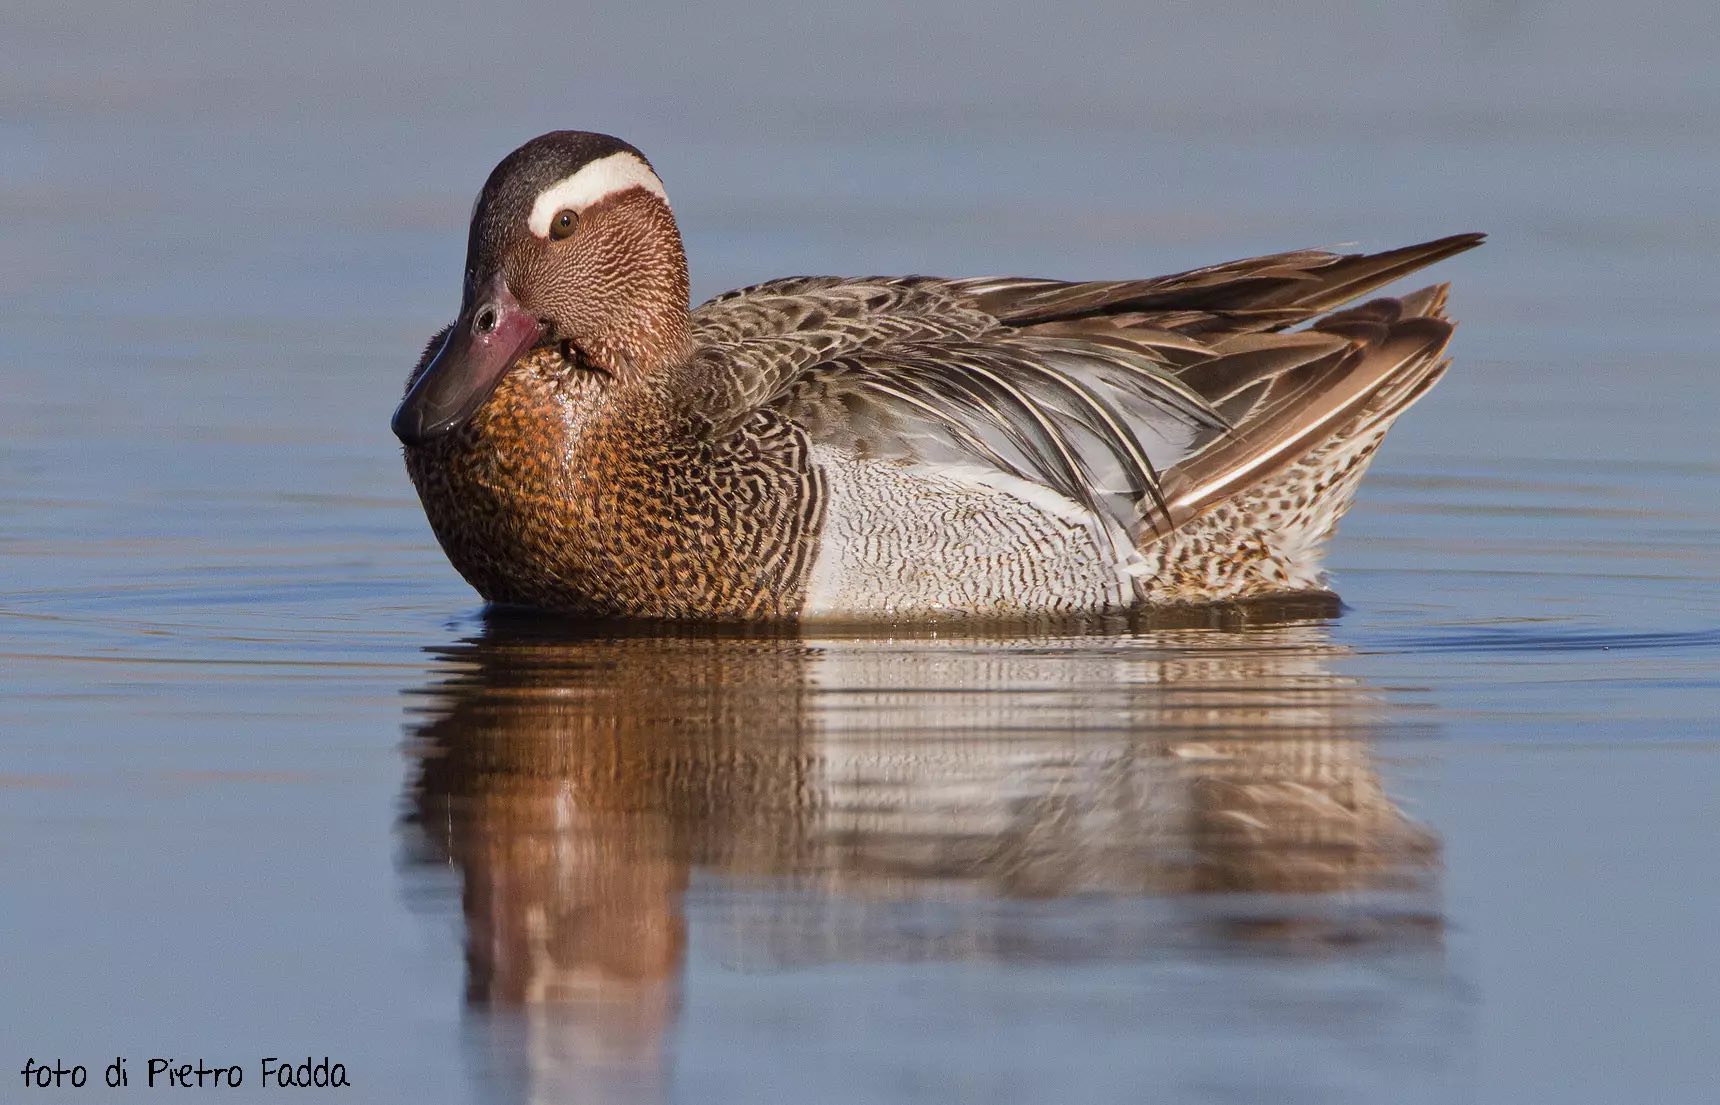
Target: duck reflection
x: 829, y: 797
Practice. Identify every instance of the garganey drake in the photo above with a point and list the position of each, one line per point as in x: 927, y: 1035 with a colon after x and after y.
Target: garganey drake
x: 894, y: 447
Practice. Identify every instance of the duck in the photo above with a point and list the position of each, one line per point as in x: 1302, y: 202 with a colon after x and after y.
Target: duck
x: 899, y: 448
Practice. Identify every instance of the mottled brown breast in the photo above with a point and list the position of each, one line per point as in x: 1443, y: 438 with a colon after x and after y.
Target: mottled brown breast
x: 570, y: 492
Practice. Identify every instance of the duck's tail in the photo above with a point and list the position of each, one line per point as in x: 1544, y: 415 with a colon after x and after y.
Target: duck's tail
x: 1252, y: 509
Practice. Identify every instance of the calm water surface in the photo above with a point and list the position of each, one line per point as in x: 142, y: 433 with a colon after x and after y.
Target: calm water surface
x: 273, y: 783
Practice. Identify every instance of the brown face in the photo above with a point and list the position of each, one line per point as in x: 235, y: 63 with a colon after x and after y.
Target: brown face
x: 572, y: 242
x: 608, y: 279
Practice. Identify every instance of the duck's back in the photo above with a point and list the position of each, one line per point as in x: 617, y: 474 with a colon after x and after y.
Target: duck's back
x: 1009, y: 446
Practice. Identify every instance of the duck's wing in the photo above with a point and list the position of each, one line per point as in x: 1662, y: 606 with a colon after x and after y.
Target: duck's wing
x: 908, y: 369
x: 1254, y: 294
x: 1096, y: 390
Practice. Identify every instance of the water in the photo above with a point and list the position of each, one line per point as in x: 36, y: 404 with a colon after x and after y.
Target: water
x: 273, y: 784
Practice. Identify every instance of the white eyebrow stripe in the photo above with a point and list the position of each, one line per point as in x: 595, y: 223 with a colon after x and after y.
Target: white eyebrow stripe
x: 594, y: 181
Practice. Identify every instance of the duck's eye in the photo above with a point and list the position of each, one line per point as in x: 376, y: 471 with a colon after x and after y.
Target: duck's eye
x: 563, y: 223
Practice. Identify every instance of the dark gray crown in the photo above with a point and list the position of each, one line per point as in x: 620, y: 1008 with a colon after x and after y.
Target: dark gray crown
x: 515, y: 183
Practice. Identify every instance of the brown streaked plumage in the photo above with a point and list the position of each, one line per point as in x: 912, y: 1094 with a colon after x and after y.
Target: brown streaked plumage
x: 888, y: 446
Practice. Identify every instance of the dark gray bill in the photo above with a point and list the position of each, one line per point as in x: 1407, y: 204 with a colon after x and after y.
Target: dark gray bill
x: 490, y: 335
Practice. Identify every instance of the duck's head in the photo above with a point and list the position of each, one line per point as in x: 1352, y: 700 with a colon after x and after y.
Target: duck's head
x: 572, y: 244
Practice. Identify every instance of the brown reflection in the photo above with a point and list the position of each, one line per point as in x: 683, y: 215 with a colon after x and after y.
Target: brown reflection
x: 1200, y: 787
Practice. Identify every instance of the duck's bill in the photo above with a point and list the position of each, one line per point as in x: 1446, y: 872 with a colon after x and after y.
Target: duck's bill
x: 488, y: 338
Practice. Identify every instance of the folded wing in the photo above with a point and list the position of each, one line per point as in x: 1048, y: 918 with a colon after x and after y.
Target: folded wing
x: 1143, y: 401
